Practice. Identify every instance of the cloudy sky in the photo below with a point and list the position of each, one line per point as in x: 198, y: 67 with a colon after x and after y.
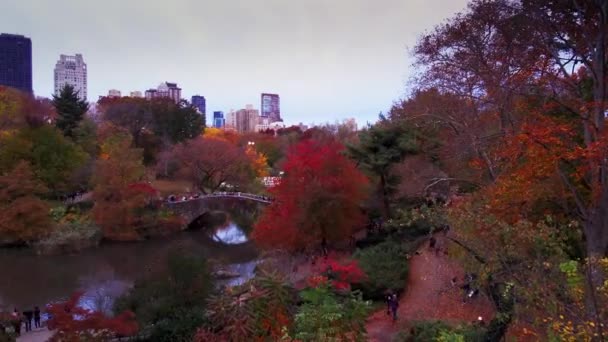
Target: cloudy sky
x: 327, y: 59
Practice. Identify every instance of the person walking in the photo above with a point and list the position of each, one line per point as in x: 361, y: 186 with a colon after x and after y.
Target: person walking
x: 37, y: 317
x: 394, y: 305
x: 16, y: 319
x: 387, y: 299
x: 27, y: 317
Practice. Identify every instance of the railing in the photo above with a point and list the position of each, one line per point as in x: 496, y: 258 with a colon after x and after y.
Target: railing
x: 245, y: 195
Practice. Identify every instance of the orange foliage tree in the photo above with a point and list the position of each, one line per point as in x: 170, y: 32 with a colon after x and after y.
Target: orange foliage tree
x: 24, y: 217
x: 318, y: 199
x: 116, y: 202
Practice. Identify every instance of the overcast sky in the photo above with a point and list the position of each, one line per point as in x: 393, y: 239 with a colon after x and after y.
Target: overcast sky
x: 327, y: 59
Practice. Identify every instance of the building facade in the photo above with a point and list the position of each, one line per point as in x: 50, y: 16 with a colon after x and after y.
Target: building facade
x: 165, y: 90
x: 114, y: 93
x: 16, y: 62
x: 199, y: 103
x: 218, y: 119
x: 246, y: 119
x: 136, y: 93
x: 271, y: 107
x: 71, y: 70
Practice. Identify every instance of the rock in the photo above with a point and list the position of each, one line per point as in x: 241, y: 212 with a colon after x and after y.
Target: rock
x: 224, y: 274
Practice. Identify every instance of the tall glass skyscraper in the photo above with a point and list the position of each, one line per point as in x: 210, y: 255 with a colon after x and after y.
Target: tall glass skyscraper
x: 16, y: 62
x: 199, y: 103
x: 218, y: 119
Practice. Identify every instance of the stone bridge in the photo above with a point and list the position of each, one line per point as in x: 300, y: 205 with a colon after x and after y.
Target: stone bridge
x: 192, y: 208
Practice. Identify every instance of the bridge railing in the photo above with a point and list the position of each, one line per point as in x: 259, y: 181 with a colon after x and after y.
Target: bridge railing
x: 259, y: 198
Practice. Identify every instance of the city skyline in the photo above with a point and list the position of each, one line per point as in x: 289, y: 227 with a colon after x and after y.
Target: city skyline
x: 327, y: 60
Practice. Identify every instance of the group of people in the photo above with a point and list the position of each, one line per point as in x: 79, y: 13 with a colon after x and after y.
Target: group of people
x: 26, y: 317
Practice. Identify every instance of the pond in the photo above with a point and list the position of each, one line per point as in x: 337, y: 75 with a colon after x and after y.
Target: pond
x: 106, y: 272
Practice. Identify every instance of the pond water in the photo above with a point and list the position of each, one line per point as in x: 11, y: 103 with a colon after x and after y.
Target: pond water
x: 106, y: 272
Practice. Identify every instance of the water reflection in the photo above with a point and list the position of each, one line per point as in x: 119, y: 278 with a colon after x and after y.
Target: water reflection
x: 104, y: 273
x: 230, y: 234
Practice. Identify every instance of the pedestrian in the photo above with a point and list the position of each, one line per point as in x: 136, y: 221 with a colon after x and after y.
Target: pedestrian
x: 394, y: 305
x: 16, y: 320
x: 27, y: 317
x: 387, y: 299
x: 37, y: 317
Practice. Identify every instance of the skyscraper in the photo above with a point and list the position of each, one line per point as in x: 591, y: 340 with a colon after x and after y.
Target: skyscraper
x: 198, y: 102
x: 271, y: 108
x: 165, y: 89
x: 71, y: 70
x: 16, y: 62
x: 218, y: 119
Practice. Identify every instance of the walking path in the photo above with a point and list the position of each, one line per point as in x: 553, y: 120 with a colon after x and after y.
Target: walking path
x: 36, y: 335
x: 429, y: 296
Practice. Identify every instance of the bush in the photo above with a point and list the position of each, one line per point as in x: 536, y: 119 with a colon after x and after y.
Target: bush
x: 174, y: 301
x: 440, y: 332
x: 386, y: 268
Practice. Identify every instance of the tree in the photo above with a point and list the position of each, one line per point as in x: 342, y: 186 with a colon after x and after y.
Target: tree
x: 260, y: 310
x: 53, y: 158
x: 380, y: 147
x: 24, y: 216
x: 176, y: 122
x: 208, y: 163
x: 116, y: 201
x: 70, y: 110
x: 74, y: 323
x: 173, y: 301
x: 318, y: 199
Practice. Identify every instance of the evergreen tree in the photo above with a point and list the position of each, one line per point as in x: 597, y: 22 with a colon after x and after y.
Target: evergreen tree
x: 379, y: 148
x: 70, y: 110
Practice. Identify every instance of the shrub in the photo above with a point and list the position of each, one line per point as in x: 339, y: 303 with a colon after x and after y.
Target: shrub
x: 386, y: 268
x: 174, y: 301
x: 440, y: 332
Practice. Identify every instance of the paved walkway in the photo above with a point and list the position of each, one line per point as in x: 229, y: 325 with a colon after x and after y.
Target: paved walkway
x: 36, y: 335
x: 429, y: 296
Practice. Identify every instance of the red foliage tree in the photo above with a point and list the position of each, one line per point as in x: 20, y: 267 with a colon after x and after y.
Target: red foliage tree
x: 318, y: 198
x: 74, y: 323
x: 344, y: 274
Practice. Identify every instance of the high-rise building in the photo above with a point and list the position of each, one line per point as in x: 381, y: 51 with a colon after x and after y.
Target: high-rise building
x: 165, y: 89
x: 71, y: 70
x: 271, y: 107
x: 246, y: 119
x: 198, y: 102
x: 218, y: 119
x: 114, y: 93
x: 136, y: 93
x: 16, y: 62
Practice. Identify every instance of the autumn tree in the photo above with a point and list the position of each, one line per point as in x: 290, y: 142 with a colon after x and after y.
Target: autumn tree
x: 379, y: 148
x: 208, y: 163
x: 24, y: 216
x: 318, y: 199
x: 116, y: 201
x: 73, y: 323
x: 70, y: 110
x: 53, y: 158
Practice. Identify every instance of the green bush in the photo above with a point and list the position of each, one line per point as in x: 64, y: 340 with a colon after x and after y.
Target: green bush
x: 386, y: 268
x: 439, y: 331
x: 173, y: 302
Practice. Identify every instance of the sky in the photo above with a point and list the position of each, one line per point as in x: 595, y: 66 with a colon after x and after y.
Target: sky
x: 327, y: 59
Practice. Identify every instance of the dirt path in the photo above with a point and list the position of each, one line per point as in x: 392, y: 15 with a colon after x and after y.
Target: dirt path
x: 429, y: 295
